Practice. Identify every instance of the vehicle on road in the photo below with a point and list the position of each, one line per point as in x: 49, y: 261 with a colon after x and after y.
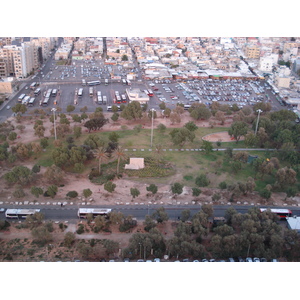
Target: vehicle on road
x: 20, y: 213
x: 84, y: 212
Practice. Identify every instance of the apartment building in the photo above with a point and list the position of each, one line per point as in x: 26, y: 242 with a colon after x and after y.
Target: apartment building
x: 252, y: 51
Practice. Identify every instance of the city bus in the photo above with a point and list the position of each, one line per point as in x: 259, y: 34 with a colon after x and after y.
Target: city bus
x: 80, y: 92
x: 99, y: 99
x: 21, y: 97
x: 31, y: 102
x: 83, y: 82
x: 46, y: 101
x: 282, y: 213
x: 123, y: 97
x: 106, y: 82
x: 83, y: 212
x: 26, y: 100
x: 33, y: 85
x: 91, y: 91
x: 104, y: 99
x: 20, y: 213
x: 124, y: 81
x: 96, y: 82
x: 37, y: 91
x: 128, y: 82
x: 150, y: 93
x: 54, y: 92
x: 118, y: 99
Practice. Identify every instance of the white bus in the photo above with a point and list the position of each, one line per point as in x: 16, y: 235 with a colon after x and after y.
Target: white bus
x: 80, y: 92
x: 83, y: 82
x: 100, y: 100
x: 20, y: 213
x: 91, y: 91
x: 26, y: 100
x: 96, y: 82
x: 21, y: 97
x: 106, y: 82
x: 31, y: 102
x: 124, y: 81
x: 104, y: 99
x: 282, y: 213
x: 37, y: 91
x: 33, y: 85
x: 54, y: 92
x: 83, y: 212
x: 46, y: 101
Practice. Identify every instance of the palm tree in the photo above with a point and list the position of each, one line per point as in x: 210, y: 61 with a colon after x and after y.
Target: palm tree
x: 100, y: 154
x: 119, y: 154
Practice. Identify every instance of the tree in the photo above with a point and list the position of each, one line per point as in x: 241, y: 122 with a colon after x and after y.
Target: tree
x: 177, y: 188
x: 220, y: 116
x: 132, y: 111
x: 12, y: 136
x: 202, y: 180
x: 180, y: 135
x: 19, y: 174
x: 19, y: 108
x: 200, y: 112
x: 149, y: 223
x: 52, y: 190
x: 134, y: 192
x: 191, y: 126
x: 207, y: 146
x: 69, y: 239
x: 175, y: 118
x: 185, y: 215
x: 285, y: 177
x: 110, y: 246
x: 41, y: 235
x: 70, y: 108
x: 54, y: 175
x: 77, y: 131
x: 119, y: 154
x: 36, y: 191
x: 115, y: 117
x: 61, y: 156
x: 109, y: 186
x: 87, y: 193
x: 44, y: 143
x: 160, y: 215
x: 196, y: 192
x: 152, y: 188
x: 238, y: 129
x: 95, y: 123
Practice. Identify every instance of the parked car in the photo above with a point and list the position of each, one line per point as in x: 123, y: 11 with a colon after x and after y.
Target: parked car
x: 256, y: 259
x: 230, y: 259
x: 249, y: 259
x: 2, y: 210
x: 156, y: 259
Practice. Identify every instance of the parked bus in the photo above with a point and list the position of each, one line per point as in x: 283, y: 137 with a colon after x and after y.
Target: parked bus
x: 37, y: 91
x: 80, y: 92
x: 26, y: 100
x: 54, y: 92
x: 21, y: 97
x: 99, y: 99
x: 124, y: 81
x: 128, y: 82
x: 106, y: 82
x: 91, y: 92
x: 31, y: 102
x: 83, y: 82
x: 46, y: 101
x: 33, y: 85
x: 84, y: 212
x: 282, y: 213
x: 20, y: 213
x: 118, y: 99
x: 150, y: 93
x: 104, y: 99
x: 123, y: 97
x: 96, y: 82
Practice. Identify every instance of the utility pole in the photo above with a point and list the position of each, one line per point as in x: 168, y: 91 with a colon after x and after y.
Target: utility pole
x: 259, y: 111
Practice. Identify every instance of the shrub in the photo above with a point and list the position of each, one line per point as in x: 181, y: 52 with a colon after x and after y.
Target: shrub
x: 80, y: 229
x: 223, y: 185
x: 202, y: 180
x: 72, y: 194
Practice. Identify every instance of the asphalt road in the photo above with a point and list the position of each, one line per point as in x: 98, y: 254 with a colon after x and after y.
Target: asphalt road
x: 69, y: 213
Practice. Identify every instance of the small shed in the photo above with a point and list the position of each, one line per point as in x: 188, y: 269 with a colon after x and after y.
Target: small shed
x: 135, y: 164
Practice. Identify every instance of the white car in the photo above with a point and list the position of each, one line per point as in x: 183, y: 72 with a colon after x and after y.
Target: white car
x: 2, y: 210
x: 249, y: 259
x: 256, y: 259
x: 156, y: 259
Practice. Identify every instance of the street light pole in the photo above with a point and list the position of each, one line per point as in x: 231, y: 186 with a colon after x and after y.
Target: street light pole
x: 152, y: 127
x: 54, y: 110
x: 259, y: 111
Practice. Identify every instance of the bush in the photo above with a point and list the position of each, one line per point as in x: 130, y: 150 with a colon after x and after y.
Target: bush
x: 223, y: 185
x: 202, y: 180
x: 72, y: 194
x: 80, y: 229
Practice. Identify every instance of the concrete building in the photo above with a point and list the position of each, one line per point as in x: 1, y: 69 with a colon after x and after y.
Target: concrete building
x: 294, y: 223
x: 253, y: 51
x: 137, y: 95
x: 266, y: 63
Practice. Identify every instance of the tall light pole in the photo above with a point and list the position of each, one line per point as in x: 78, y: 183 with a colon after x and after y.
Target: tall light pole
x: 54, y: 124
x: 259, y: 111
x: 152, y: 110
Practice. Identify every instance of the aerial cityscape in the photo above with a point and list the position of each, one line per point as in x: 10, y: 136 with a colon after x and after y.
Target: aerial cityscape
x: 149, y: 149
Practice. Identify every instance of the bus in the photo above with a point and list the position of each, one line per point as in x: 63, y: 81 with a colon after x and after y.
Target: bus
x: 96, y: 82
x: 106, y: 82
x: 123, y: 97
x: 104, y: 99
x: 83, y: 212
x: 118, y: 99
x: 282, y: 213
x: 20, y: 213
x: 54, y: 92
x: 37, y: 91
x: 46, y: 101
x: 150, y: 93
x: 26, y: 100
x: 124, y: 81
x: 128, y: 82
x: 91, y: 91
x: 80, y: 92
x: 33, y: 85
x: 99, y: 99
x: 83, y: 82
x: 21, y: 97
x: 31, y: 102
